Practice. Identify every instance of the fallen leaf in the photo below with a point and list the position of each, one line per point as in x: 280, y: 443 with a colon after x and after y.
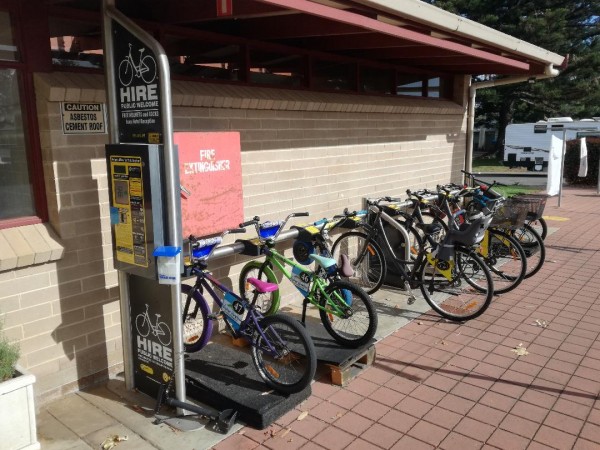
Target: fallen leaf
x: 267, y: 392
x: 111, y: 442
x: 541, y: 323
x: 520, y: 350
x: 302, y: 415
x: 284, y: 432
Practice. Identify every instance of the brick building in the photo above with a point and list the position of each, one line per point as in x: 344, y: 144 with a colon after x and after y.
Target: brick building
x: 334, y: 101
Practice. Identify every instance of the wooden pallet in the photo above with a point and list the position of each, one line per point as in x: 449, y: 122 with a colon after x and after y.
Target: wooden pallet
x: 342, y: 373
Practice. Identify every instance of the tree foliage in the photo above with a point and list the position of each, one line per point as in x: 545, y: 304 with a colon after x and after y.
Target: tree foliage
x: 566, y: 28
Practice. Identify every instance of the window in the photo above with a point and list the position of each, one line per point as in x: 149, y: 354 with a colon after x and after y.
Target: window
x: 267, y: 67
x: 76, y: 43
x: 376, y: 81
x: 16, y: 197
x: 409, y: 85
x: 8, y: 50
x: 334, y: 75
x: 203, y: 59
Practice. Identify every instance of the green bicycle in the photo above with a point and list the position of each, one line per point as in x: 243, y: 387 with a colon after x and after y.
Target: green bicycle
x: 346, y: 311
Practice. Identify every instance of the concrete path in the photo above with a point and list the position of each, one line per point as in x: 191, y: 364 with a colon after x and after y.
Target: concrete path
x: 434, y: 384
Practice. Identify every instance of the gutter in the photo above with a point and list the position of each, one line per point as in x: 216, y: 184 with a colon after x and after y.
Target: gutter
x: 430, y: 15
x: 549, y: 72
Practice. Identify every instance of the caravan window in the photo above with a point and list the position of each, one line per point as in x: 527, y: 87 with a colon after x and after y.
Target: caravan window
x: 540, y: 128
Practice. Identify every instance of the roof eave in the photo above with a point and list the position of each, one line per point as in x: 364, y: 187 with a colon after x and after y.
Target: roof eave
x: 424, y: 13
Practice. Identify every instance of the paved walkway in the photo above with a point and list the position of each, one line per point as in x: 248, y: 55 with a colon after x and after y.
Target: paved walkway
x: 434, y: 384
x: 441, y: 385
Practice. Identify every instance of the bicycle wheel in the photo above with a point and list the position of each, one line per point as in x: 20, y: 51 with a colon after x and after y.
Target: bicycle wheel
x: 163, y: 333
x: 359, y: 323
x: 125, y: 72
x: 197, y: 327
x: 284, y: 354
x: 268, y: 302
x: 459, y: 290
x: 534, y: 248
x: 540, y: 226
x: 366, y: 258
x: 506, y: 260
x: 148, y: 69
x: 142, y: 325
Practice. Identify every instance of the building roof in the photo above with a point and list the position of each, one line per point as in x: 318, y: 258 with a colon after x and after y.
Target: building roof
x: 410, y: 34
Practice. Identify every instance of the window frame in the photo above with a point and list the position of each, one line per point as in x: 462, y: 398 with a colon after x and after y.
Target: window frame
x: 30, y: 121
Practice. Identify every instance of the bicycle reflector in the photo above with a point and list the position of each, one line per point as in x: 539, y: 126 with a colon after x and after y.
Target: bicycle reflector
x: 302, y: 251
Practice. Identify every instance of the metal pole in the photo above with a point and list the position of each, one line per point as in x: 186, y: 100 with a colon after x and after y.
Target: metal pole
x: 111, y: 91
x: 172, y: 183
x: 562, y: 165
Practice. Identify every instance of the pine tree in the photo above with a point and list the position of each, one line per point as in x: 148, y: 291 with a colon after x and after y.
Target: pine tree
x: 566, y: 28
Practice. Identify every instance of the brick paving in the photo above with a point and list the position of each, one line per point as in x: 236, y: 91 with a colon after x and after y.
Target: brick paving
x: 436, y: 384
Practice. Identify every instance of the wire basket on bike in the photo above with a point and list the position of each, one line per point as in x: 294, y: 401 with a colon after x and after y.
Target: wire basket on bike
x: 536, y: 202
x: 512, y: 214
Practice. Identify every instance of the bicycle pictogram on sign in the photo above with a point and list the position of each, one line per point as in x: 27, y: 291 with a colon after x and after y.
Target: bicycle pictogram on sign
x: 145, y: 69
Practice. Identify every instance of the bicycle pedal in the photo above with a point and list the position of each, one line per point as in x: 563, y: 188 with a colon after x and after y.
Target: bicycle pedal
x: 411, y: 299
x: 215, y: 316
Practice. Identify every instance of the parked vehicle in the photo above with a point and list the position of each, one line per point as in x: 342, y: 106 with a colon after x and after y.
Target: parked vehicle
x: 528, y: 144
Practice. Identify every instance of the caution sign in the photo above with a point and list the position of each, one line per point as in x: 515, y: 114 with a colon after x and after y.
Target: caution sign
x: 83, y: 118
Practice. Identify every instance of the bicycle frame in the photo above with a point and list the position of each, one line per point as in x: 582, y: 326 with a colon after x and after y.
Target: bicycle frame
x: 205, y: 281
x: 316, y: 284
x: 422, y: 257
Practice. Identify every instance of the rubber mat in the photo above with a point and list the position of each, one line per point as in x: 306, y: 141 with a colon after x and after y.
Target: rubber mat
x: 225, y: 377
x: 328, y: 350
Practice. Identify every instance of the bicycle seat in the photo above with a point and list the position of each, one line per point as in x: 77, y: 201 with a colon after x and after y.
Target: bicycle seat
x: 262, y: 286
x: 346, y: 269
x: 469, y: 233
x: 323, y: 261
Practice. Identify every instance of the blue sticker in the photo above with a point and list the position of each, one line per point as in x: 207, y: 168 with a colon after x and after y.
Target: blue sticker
x: 114, y: 215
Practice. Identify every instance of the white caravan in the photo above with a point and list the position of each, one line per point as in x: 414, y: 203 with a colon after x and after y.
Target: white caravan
x: 528, y: 144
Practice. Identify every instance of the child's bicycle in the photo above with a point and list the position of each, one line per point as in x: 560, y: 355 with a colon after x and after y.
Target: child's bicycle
x: 282, y: 351
x: 345, y: 309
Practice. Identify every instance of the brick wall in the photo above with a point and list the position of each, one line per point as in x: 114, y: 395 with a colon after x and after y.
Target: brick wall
x: 301, y: 151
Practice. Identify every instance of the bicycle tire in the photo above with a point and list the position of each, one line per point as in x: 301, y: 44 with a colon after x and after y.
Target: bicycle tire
x: 360, y: 325
x: 541, y: 226
x: 165, y: 337
x: 370, y: 273
x: 506, y: 260
x: 142, y: 327
x: 268, y: 302
x: 295, y: 368
x: 125, y: 72
x: 149, y: 75
x: 196, y: 326
x: 450, y: 298
x: 534, y: 248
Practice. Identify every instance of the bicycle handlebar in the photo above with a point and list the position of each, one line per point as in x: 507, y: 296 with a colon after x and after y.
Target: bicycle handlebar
x: 256, y: 222
x: 214, y: 242
x: 472, y: 177
x: 250, y: 222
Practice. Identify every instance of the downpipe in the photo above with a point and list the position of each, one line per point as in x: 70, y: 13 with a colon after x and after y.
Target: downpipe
x: 549, y: 72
